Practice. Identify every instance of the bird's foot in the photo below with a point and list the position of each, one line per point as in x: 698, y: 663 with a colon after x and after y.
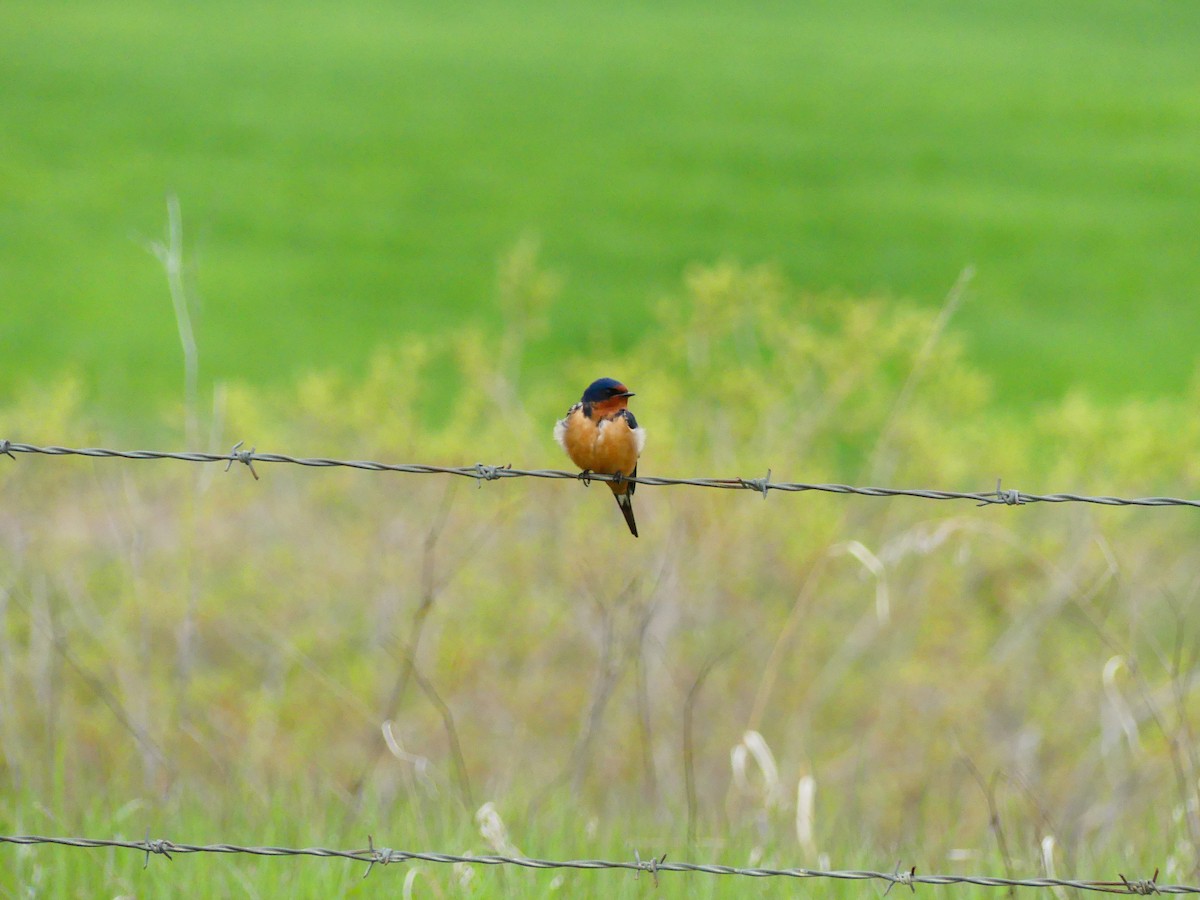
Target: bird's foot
x: 586, y: 477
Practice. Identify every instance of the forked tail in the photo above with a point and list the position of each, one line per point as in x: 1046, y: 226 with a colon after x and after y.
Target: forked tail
x: 625, y: 501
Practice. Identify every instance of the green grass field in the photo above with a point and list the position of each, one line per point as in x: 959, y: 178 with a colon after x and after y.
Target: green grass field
x: 350, y: 176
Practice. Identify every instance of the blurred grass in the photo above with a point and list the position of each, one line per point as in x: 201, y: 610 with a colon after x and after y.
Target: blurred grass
x: 222, y: 651
x: 349, y: 176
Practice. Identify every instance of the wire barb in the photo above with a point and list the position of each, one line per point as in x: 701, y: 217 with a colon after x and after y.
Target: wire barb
x: 899, y: 877
x: 488, y: 473
x: 5, y: 444
x: 1010, y: 497
x: 380, y: 855
x: 758, y: 484
x: 1144, y: 886
x: 649, y: 865
x: 242, y: 456
x: 156, y: 846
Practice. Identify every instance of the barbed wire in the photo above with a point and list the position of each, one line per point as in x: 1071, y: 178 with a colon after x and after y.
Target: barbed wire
x: 481, y: 473
x: 383, y: 856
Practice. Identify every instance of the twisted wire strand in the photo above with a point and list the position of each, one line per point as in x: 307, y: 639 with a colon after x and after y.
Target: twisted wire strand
x: 481, y: 472
x: 373, y: 856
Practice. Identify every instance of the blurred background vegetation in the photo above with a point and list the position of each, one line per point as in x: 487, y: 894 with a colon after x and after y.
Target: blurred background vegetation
x: 350, y: 174
x: 414, y: 233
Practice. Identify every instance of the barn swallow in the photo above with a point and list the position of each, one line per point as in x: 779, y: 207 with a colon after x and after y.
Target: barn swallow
x: 601, y: 435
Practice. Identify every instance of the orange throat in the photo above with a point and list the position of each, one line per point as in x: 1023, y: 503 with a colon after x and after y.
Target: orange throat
x: 606, y: 408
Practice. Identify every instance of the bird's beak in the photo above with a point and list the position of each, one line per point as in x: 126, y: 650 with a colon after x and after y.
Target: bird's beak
x: 626, y: 394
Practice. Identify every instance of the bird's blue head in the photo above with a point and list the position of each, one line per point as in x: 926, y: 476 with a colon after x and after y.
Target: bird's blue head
x: 603, y: 389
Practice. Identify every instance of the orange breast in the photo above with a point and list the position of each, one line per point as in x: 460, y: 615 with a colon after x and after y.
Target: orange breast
x: 608, y: 446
